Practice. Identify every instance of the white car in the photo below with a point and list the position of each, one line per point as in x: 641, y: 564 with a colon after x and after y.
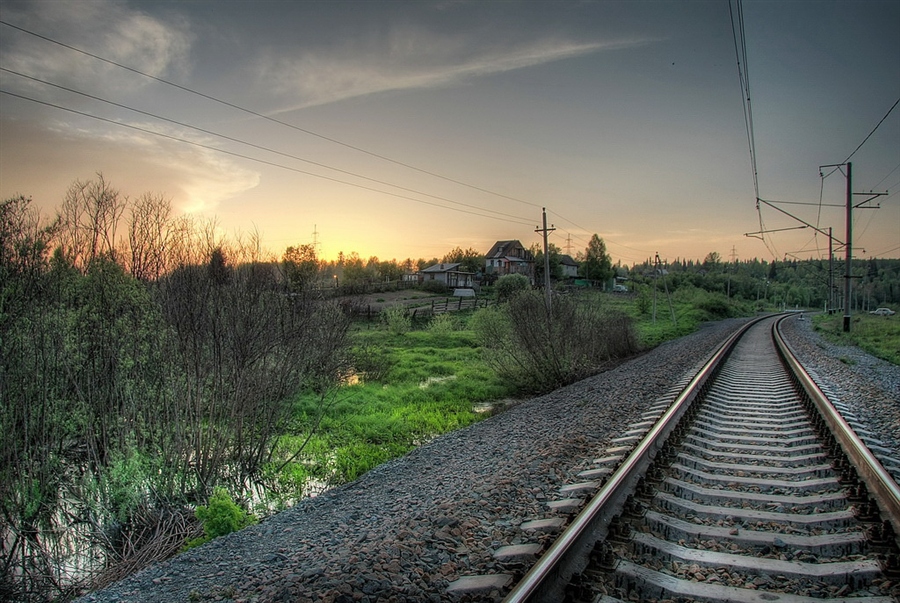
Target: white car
x: 882, y: 312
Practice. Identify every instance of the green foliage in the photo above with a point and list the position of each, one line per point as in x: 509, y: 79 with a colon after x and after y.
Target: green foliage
x: 124, y: 484
x: 396, y: 319
x: 597, y: 265
x: 442, y: 324
x: 556, y: 268
x: 220, y: 517
x: 126, y: 396
x: 644, y: 300
x: 510, y: 284
x: 429, y: 384
x: 471, y: 260
x: 301, y: 267
x: 877, y: 335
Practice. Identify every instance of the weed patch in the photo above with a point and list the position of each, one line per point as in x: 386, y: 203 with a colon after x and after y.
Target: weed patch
x: 877, y: 335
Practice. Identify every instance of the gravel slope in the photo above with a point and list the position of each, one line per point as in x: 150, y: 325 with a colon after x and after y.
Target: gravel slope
x: 405, y: 530
x: 867, y: 386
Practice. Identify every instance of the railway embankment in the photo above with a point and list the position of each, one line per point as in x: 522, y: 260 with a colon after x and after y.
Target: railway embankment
x: 408, y: 529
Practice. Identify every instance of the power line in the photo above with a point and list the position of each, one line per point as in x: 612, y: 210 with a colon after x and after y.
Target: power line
x: 896, y: 102
x: 866, y: 139
x: 253, y: 145
x: 288, y: 125
x: 888, y: 175
x: 249, y: 158
x: 587, y: 241
x: 263, y: 116
x: 740, y: 51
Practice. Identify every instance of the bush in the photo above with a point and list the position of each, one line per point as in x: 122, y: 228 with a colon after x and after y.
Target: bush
x: 442, y: 324
x: 397, y: 319
x: 541, y: 352
x: 509, y: 285
x: 222, y: 516
x: 434, y: 287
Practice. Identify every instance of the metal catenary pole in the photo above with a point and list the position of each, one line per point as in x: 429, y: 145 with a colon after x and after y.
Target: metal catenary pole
x: 849, y: 251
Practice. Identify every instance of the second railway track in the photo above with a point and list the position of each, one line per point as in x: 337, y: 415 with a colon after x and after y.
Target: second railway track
x: 746, y: 497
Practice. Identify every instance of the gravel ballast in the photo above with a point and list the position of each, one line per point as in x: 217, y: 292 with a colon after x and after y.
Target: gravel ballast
x: 408, y: 529
x: 866, y: 388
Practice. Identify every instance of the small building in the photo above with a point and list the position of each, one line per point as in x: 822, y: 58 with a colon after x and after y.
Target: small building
x: 569, y: 266
x: 509, y: 257
x: 448, y: 274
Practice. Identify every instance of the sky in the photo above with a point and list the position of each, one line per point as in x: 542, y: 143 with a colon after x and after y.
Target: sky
x: 404, y: 129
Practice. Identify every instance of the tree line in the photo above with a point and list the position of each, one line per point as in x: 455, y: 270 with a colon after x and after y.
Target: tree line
x: 782, y: 284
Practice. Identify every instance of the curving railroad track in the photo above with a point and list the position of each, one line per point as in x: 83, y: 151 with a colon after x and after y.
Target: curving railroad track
x: 747, y: 487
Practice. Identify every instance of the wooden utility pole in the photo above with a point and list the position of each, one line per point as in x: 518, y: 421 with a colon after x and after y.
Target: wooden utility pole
x: 659, y: 272
x: 546, y: 231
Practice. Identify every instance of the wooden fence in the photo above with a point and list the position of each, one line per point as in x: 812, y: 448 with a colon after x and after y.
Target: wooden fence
x: 452, y: 304
x: 457, y: 304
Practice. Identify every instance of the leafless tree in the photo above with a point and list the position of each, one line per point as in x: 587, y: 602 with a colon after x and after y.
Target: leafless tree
x: 89, y: 218
x: 150, y: 236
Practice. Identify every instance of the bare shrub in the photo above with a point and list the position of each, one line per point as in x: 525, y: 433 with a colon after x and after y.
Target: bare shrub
x: 89, y: 218
x: 541, y: 351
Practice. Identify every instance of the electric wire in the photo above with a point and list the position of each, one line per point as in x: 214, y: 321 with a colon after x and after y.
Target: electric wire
x: 248, y: 157
x: 888, y: 175
x: 587, y: 241
x: 253, y: 145
x: 266, y: 117
x: 286, y: 124
x: 738, y: 34
x: 740, y: 50
x: 896, y: 102
x: 865, y: 140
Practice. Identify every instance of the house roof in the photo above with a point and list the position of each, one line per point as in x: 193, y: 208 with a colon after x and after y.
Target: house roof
x: 567, y: 260
x: 446, y: 267
x: 501, y: 249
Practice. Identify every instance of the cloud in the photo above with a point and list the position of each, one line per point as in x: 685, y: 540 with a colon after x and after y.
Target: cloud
x: 411, y: 59
x: 204, y: 177
x: 42, y: 159
x: 108, y: 29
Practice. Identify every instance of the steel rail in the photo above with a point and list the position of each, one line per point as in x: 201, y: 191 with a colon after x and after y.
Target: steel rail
x: 880, y: 484
x: 621, y: 481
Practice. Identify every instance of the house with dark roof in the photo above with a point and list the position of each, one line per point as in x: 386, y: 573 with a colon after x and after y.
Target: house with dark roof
x: 569, y: 266
x: 448, y: 274
x: 509, y: 257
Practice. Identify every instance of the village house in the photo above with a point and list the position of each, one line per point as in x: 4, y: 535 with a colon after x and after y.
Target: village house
x: 509, y: 257
x: 569, y: 266
x: 448, y: 274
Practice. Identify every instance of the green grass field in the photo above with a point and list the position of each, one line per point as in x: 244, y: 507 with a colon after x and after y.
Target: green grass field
x: 877, y: 335
x: 412, y: 386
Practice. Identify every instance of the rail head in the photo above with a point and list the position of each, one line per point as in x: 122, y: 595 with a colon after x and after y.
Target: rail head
x: 878, y: 481
x: 614, y: 490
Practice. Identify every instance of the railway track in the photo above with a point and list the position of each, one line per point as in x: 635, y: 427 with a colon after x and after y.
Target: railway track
x: 748, y: 487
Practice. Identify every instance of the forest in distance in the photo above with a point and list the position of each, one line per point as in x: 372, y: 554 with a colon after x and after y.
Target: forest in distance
x: 147, y: 363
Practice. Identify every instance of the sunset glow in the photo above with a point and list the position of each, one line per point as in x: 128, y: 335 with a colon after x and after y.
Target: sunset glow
x: 405, y: 129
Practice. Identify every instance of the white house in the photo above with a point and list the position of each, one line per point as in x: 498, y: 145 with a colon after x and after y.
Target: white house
x: 569, y: 266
